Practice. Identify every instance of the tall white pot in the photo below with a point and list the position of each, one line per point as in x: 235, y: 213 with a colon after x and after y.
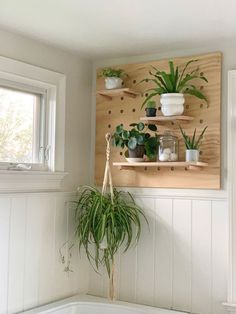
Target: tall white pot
x: 172, y: 104
x: 113, y: 82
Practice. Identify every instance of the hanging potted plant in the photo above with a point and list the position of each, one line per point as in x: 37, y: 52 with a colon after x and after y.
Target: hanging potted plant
x: 138, y: 141
x: 151, y: 108
x: 105, y: 221
x: 192, y: 144
x: 113, y: 77
x: 173, y: 85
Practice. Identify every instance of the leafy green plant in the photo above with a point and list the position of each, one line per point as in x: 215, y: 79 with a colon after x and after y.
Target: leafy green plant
x: 192, y: 142
x: 175, y: 81
x: 151, y: 104
x: 104, y: 224
x: 109, y: 72
x: 137, y: 135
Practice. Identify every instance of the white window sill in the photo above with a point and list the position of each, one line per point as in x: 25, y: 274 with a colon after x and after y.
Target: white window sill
x: 30, y: 181
x: 230, y: 307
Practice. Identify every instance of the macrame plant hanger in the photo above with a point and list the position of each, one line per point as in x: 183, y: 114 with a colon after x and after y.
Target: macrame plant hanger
x: 107, y: 180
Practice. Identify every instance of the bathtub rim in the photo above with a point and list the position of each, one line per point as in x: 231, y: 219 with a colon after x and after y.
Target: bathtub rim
x: 87, y: 299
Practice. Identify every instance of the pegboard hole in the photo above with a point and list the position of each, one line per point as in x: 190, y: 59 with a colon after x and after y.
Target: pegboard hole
x: 172, y: 123
x: 122, y: 98
x: 202, y: 73
x: 146, y: 80
x: 121, y: 111
x: 109, y: 126
x: 201, y: 106
x: 159, y: 108
x: 109, y: 112
x: 200, y: 153
x: 122, y: 83
x: 121, y: 153
x: 172, y: 168
x: 186, y: 169
x: 146, y: 94
x: 201, y: 87
x: 187, y: 106
x: 145, y: 168
x: 158, y: 168
x: 134, y: 81
x: 133, y: 110
x: 201, y: 121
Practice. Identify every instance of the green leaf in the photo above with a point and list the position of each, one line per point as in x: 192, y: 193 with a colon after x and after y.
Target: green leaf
x: 140, y: 126
x: 125, y: 134
x: 119, y: 129
x: 152, y: 127
x: 185, y: 68
x: 132, y: 143
x: 167, y: 81
x: 140, y: 139
x: 195, y: 93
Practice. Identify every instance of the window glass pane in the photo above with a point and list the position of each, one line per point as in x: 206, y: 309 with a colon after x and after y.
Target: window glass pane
x: 17, y: 120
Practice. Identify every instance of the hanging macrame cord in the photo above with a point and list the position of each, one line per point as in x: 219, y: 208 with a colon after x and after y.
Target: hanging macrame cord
x: 108, y: 180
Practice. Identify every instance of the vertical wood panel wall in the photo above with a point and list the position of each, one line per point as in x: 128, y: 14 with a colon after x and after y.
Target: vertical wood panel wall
x: 32, y: 229
x: 181, y: 263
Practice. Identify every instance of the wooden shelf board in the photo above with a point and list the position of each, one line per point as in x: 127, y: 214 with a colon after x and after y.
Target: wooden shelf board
x: 190, y: 165
x: 110, y: 93
x: 159, y: 119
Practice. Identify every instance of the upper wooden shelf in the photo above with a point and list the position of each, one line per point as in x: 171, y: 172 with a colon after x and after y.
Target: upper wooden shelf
x: 190, y: 165
x: 110, y: 93
x: 159, y: 119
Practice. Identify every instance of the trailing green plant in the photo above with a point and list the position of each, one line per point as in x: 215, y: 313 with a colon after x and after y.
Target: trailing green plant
x: 137, y: 135
x: 151, y: 104
x: 105, y: 223
x: 192, y: 142
x: 110, y: 72
x: 175, y: 81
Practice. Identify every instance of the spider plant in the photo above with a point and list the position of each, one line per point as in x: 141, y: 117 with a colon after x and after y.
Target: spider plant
x: 192, y: 142
x: 105, y: 223
x: 175, y: 81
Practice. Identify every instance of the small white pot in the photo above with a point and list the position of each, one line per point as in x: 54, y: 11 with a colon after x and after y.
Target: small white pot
x: 172, y: 104
x: 113, y: 82
x: 192, y: 155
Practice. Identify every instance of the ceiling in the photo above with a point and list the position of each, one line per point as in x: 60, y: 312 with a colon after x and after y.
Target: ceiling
x: 109, y: 28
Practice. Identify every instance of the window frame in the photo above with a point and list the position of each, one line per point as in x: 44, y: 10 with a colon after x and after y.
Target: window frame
x: 53, y: 83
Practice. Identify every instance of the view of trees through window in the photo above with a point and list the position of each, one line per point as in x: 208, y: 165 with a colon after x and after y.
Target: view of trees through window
x: 16, y: 125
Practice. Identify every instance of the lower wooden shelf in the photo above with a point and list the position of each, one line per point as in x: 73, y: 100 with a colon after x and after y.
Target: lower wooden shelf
x: 185, y: 164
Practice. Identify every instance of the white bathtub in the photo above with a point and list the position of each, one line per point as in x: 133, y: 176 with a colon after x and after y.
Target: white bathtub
x: 94, y: 305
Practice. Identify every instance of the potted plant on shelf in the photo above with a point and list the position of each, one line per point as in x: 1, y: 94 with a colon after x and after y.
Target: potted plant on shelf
x: 172, y: 86
x: 113, y: 77
x: 138, y: 141
x: 192, y: 144
x: 151, y: 108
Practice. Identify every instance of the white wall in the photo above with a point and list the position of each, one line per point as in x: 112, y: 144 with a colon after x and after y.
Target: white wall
x: 78, y: 73
x: 182, y: 263
x: 34, y: 226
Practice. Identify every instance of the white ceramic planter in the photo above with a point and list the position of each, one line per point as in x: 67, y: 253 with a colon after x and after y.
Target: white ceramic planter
x: 192, y: 155
x: 113, y: 82
x: 172, y: 104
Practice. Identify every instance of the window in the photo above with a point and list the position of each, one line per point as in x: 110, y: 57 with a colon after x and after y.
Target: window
x: 32, y: 126
x: 22, y: 128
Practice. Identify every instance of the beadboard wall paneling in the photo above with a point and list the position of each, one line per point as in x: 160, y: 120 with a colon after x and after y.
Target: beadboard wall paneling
x: 33, y: 227
x: 180, y: 261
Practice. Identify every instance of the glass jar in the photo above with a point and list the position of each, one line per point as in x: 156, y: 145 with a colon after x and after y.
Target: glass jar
x: 168, y: 147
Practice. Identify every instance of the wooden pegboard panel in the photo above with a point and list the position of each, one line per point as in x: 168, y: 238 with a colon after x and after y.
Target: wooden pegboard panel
x: 123, y: 109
